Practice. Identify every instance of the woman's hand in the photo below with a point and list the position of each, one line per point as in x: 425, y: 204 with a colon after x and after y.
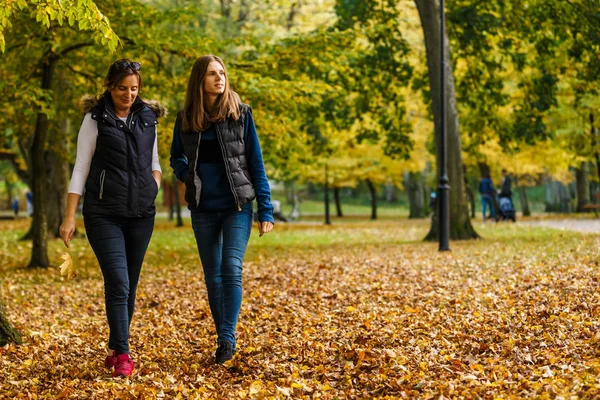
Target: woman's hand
x: 67, y: 229
x: 264, y: 227
x: 157, y: 177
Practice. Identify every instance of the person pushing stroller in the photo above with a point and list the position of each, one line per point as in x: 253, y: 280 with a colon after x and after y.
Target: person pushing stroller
x: 506, y: 209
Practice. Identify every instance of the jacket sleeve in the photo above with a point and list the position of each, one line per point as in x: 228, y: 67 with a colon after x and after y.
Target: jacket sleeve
x: 179, y: 162
x: 256, y: 168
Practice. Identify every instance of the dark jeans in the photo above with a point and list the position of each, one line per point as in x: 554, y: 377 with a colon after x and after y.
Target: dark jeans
x: 120, y: 245
x: 222, y: 238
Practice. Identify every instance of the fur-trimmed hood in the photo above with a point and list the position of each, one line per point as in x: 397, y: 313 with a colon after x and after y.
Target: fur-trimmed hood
x: 89, y: 101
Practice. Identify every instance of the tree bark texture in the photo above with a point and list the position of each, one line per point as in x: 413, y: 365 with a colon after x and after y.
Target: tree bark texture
x: 460, y: 224
x: 39, y: 251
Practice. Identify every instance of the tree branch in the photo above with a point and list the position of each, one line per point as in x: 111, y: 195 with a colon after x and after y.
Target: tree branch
x: 74, y: 47
x: 85, y: 75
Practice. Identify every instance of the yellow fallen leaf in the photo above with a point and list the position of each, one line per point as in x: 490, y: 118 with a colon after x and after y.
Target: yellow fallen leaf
x: 67, y: 268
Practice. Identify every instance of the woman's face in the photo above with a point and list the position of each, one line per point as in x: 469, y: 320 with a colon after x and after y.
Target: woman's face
x: 214, y: 80
x: 124, y: 94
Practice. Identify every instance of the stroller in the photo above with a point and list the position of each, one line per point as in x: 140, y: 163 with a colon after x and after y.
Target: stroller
x: 506, y: 209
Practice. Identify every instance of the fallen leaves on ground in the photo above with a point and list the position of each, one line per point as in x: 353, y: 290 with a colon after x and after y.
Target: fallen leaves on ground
x: 514, y: 316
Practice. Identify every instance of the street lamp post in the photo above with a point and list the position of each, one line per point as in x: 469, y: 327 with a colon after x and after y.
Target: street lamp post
x: 444, y: 188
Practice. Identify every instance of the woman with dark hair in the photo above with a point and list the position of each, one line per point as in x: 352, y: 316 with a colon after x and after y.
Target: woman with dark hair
x: 216, y: 152
x: 117, y: 164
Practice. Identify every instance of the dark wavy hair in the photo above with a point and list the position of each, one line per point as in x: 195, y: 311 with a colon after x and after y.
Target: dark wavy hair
x: 119, y: 70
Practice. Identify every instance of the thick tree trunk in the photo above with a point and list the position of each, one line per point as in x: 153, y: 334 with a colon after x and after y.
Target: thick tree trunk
x: 39, y: 251
x: 558, y: 198
x: 523, y: 198
x: 373, y: 192
x: 552, y: 196
x: 583, y: 187
x: 460, y: 224
x: 415, y: 186
x: 338, y: 204
x: 8, y: 334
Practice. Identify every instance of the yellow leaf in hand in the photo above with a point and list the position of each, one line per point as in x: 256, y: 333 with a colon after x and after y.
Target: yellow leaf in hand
x: 67, y: 268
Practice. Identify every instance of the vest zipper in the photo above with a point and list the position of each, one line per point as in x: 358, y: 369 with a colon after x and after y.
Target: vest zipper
x: 237, y: 200
x: 102, y: 176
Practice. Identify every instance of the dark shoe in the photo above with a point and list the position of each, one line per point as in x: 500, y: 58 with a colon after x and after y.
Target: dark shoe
x: 224, y: 352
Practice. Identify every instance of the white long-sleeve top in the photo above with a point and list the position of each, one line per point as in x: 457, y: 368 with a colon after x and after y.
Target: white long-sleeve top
x: 86, y: 146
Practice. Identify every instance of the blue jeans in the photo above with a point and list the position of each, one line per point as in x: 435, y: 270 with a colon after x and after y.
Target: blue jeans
x: 120, y: 245
x: 222, y: 238
x: 485, y: 200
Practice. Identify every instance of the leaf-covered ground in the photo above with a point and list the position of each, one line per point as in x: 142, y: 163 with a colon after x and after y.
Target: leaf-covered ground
x: 358, y: 310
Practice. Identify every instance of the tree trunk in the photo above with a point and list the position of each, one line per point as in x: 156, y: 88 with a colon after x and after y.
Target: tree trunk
x: 523, y: 198
x: 595, y: 144
x: 460, y: 224
x: 39, y: 251
x: 338, y: 204
x: 57, y: 187
x: 415, y: 186
x: 327, y: 216
x: 583, y: 186
x: 9, y: 193
x: 373, y: 191
x: 169, y: 197
x: 8, y: 334
x: 471, y: 199
x: 552, y: 195
x: 177, y: 201
x: 558, y: 198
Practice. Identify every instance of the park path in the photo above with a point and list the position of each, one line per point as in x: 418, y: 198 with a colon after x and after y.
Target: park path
x: 578, y: 225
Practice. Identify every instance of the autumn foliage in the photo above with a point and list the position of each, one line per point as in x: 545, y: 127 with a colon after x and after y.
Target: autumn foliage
x: 357, y: 310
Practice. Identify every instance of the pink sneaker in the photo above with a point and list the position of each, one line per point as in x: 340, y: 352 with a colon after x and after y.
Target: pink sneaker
x: 124, y: 366
x: 110, y: 361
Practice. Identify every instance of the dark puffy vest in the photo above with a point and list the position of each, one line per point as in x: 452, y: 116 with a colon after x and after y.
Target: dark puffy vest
x: 120, y: 182
x: 230, y: 134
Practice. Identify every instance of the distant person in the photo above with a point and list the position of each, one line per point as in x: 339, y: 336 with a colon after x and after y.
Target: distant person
x: 488, y: 195
x: 29, y: 199
x: 505, y: 189
x: 216, y: 153
x: 15, y: 205
x: 117, y: 164
x: 432, y: 201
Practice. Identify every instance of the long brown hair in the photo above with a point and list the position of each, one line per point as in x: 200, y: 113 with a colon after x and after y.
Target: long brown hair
x: 195, y: 116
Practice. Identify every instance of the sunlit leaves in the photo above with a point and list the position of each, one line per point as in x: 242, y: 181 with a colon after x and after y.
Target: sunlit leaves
x: 83, y: 13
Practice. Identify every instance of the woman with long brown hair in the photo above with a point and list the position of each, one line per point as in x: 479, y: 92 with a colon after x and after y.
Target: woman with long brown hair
x: 117, y: 165
x: 216, y: 152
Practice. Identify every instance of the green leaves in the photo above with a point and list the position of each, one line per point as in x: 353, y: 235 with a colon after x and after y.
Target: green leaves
x: 84, y: 13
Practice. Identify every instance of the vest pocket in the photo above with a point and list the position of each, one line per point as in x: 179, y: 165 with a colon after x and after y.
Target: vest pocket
x: 102, y: 176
